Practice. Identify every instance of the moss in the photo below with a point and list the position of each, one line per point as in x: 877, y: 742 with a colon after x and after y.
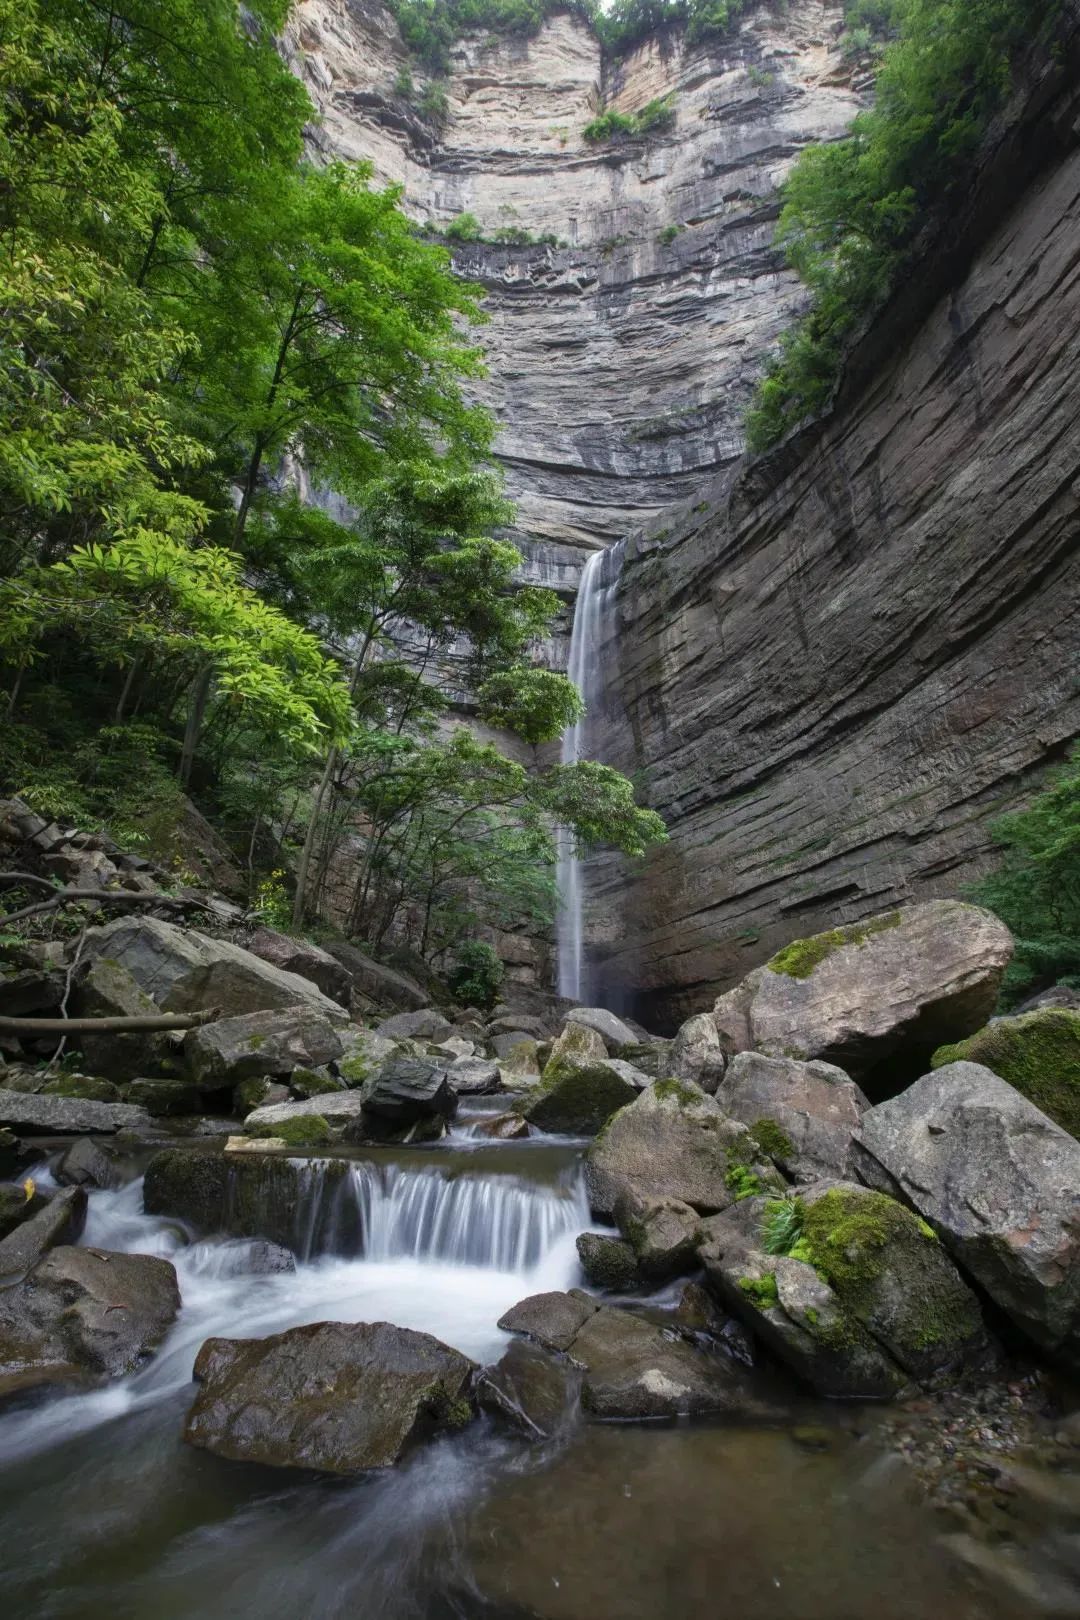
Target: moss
x: 83, y: 1086
x: 799, y: 959
x: 306, y: 1083
x: 308, y: 1130
x: 1038, y: 1053
x: 356, y: 1069
x: 772, y: 1139
x: 679, y: 1091
x: 742, y: 1182
x: 255, y: 1043
x: 762, y: 1291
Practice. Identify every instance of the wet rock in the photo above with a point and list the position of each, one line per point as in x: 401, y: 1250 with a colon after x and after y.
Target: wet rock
x: 533, y: 1392
x: 336, y: 1108
x: 634, y: 1369
x: 189, y: 1184
x: 609, y: 1262
x: 896, y: 985
x: 223, y: 1053
x: 103, y: 988
x: 802, y: 1114
x: 363, y: 1055
x: 253, y: 1258
x: 37, y: 1115
x: 1038, y: 1053
x: 87, y: 1164
x: 423, y: 1025
x: 503, y: 1128
x: 335, y: 1397
x: 674, y: 1142
x: 61, y: 1220
x: 664, y: 1234
x: 615, y: 1034
x: 86, y: 1087
x: 696, y: 1053
x: 406, y: 1092
x: 17, y: 1204
x: 1000, y: 1184
x: 84, y: 1315
x: 376, y: 983
x: 474, y: 1077
x: 550, y: 1320
x: 697, y: 1313
x: 163, y: 1098
x: 576, y: 1095
x: 308, y: 961
x: 258, y: 1092
x: 185, y: 971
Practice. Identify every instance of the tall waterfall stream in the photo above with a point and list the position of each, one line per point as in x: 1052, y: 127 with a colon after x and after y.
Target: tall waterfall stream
x: 107, y: 1513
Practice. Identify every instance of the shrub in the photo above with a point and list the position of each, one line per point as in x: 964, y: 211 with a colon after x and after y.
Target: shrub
x: 655, y: 116
x: 465, y: 228
x: 477, y: 975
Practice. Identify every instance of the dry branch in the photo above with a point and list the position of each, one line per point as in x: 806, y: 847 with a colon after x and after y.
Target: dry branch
x: 137, y: 1021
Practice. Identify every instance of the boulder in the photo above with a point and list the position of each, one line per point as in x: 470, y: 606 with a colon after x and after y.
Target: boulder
x: 84, y: 1315
x: 609, y: 1262
x: 84, y: 1087
x: 615, y: 1034
x: 578, y: 1044
x: 650, y: 1058
x: 889, y: 989
x: 1059, y: 995
x: 523, y: 1022
x: 1038, y: 1053
x: 1000, y: 1184
x: 363, y: 1055
x: 576, y: 1097
x: 36, y: 1115
x: 664, y: 1234
x: 310, y: 962
x: 635, y: 1369
x: 333, y: 1396
x: 163, y: 1098
x: 511, y: 1041
x: 337, y: 1108
x: 60, y: 1220
x: 531, y: 1391
x: 258, y: 1093
x: 424, y: 1025
x: 252, y: 1257
x: 405, y: 1092
x: 696, y: 1053
x: 260, y: 1195
x: 629, y: 1072
x: 502, y: 1128
x: 474, y: 1077
x: 801, y: 1114
x: 519, y: 1069
x: 185, y: 971
x: 223, y: 1053
x: 103, y: 988
x: 18, y: 1203
x: 455, y: 1046
x: 551, y: 1320
x: 308, y: 1083
x: 673, y: 1141
x: 376, y: 983
x: 87, y: 1164
x: 34, y: 993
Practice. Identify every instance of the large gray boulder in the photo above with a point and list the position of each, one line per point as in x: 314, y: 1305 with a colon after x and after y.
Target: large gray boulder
x: 532, y: 1392
x: 896, y: 985
x: 185, y: 971
x: 802, y: 1114
x: 1000, y: 1184
x: 407, y: 1093
x: 336, y: 1107
x: 673, y: 1141
x: 609, y: 1262
x: 376, y: 983
x: 334, y: 1396
x: 364, y: 1055
x: 575, y: 1098
x: 664, y: 1234
x: 423, y: 1025
x: 615, y: 1034
x: 696, y: 1053
x: 309, y: 961
x: 103, y: 988
x: 83, y: 1315
x: 551, y: 1320
x: 474, y: 1076
x: 223, y: 1053
x: 37, y: 1114
x: 60, y: 1220
x: 635, y: 1369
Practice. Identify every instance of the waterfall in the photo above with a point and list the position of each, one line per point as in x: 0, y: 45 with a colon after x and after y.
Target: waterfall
x: 595, y: 594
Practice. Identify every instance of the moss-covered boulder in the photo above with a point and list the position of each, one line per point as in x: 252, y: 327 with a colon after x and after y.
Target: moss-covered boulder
x: 1037, y: 1052
x: 271, y: 1043
x: 663, y: 1233
x: 87, y: 1087
x: 163, y: 1098
x: 308, y: 1083
x: 575, y: 1095
x: 261, y: 1195
x: 608, y: 1262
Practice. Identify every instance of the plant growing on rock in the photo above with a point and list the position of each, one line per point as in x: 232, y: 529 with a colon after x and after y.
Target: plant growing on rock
x: 477, y: 974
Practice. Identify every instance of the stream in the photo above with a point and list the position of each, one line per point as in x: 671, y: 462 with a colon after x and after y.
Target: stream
x: 105, y: 1513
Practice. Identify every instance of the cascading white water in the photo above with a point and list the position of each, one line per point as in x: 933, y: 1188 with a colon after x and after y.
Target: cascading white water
x: 595, y: 594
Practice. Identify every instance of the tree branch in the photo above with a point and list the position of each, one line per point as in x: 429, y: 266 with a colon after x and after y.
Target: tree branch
x: 137, y: 1021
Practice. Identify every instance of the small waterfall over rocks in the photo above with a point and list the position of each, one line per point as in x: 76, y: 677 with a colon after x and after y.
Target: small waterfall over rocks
x: 595, y: 600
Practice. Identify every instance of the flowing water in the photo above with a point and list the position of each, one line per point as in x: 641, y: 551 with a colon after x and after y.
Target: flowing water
x: 105, y: 1513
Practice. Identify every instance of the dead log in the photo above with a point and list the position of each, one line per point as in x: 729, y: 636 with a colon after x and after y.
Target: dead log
x: 148, y: 1022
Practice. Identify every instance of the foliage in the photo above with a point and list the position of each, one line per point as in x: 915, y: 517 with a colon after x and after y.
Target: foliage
x: 782, y: 1226
x: 852, y: 207
x: 655, y: 116
x: 477, y: 975
x: 1038, y: 1054
x: 272, y: 904
x: 1036, y: 889
x: 465, y: 228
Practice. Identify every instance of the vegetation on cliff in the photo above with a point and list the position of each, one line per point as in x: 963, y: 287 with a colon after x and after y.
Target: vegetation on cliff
x: 853, y: 208
x: 247, y: 534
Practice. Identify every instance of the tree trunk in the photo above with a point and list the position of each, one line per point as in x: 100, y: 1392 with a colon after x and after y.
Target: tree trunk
x: 200, y: 695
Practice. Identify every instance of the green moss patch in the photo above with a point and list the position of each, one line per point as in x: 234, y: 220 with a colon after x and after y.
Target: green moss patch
x: 761, y: 1291
x: 307, y: 1130
x: 1038, y: 1053
x: 771, y: 1139
x: 799, y: 959
x: 687, y: 1096
x: 742, y: 1182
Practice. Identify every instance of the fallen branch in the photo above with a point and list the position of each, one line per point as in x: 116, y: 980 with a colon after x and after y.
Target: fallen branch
x: 107, y: 1026
x: 120, y: 897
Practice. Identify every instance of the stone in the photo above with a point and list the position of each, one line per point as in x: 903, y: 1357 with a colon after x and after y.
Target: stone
x: 163, y: 1098
x: 103, y: 988
x: 999, y: 1183
x: 551, y: 1320
x: 1038, y: 1053
x: 363, y: 1054
x: 474, y: 1077
x: 307, y: 1129
x: 1059, y: 995
x: 376, y: 983
x: 254, y: 1257
x: 406, y: 1091
x: 531, y: 1391
x: 17, y: 1203
x: 309, y: 961
x: 84, y: 1087
x: 634, y: 1369
x: 609, y: 1262
x: 664, y: 1234
x: 337, y: 1108
x: 82, y: 1316
x: 38, y: 1115
x: 185, y: 971
x: 615, y: 1034
x: 336, y: 1397
x: 223, y: 1053
x: 524, y: 1023
x: 801, y: 1114
x: 627, y: 1072
x: 308, y: 1083
x: 87, y: 1163
x: 512, y: 1041
x: 455, y: 1046
x: 424, y: 1025
x: 34, y: 993
x: 895, y: 986
x: 696, y: 1053
x: 502, y: 1128
x: 673, y: 1142
x: 519, y: 1070
x: 578, y: 1044
x: 258, y: 1092
x: 576, y: 1098
x: 61, y: 1220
